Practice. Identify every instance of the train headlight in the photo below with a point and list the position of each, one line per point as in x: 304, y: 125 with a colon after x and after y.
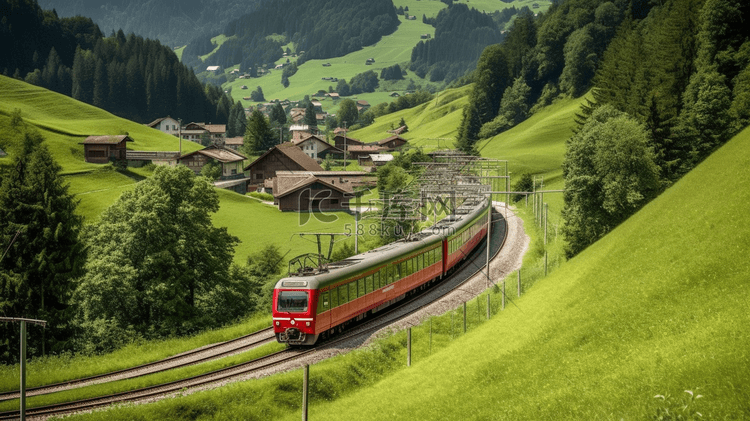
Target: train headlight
x: 292, y: 322
x: 308, y: 323
x: 277, y: 323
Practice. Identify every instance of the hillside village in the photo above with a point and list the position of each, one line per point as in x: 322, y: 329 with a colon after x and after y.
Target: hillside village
x: 305, y: 152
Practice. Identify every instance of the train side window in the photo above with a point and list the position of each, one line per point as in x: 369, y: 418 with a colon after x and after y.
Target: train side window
x: 352, y: 290
x: 334, y: 297
x: 401, y: 270
x: 368, y: 283
x: 361, y: 287
x: 343, y: 294
x: 376, y: 280
x: 420, y: 263
x: 323, y: 303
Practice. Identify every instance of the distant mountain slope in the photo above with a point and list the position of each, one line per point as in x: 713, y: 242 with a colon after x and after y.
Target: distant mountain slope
x: 174, y: 23
x: 320, y: 28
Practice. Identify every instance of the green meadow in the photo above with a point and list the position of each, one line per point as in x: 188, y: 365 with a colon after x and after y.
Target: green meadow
x: 652, y: 314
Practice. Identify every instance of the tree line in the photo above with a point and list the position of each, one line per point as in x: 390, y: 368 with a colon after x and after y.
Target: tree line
x: 671, y: 88
x: 132, y: 77
x: 461, y: 34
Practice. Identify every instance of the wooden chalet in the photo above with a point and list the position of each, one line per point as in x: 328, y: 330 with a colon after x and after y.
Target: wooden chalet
x: 343, y: 143
x: 305, y: 191
x: 392, y: 143
x: 195, y: 131
x: 357, y: 151
x: 230, y: 161
x: 103, y: 149
x: 284, y: 157
x: 234, y: 143
x: 375, y: 160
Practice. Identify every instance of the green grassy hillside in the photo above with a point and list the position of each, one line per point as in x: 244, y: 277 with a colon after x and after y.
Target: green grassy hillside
x: 658, y: 306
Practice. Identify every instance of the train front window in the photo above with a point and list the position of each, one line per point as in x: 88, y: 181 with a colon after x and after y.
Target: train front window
x: 292, y: 302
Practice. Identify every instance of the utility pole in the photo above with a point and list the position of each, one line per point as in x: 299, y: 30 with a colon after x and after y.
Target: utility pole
x: 344, y: 145
x: 23, y: 322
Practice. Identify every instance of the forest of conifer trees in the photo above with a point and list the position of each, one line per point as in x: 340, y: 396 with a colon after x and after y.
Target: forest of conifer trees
x: 135, y: 78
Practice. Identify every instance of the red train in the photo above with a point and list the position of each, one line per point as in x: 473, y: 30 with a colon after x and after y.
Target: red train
x: 310, y: 306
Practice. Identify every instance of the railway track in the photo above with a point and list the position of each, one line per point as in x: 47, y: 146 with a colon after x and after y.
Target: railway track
x: 473, y: 265
x: 196, y: 356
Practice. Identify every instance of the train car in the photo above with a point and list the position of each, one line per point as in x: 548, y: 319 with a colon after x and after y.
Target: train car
x: 326, y: 300
x: 464, y: 239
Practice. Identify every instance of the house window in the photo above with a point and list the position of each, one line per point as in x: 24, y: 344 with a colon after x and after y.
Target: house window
x: 334, y: 201
x: 234, y: 171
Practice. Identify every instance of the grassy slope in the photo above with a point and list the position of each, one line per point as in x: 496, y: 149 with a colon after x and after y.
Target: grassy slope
x: 65, y: 122
x: 658, y: 306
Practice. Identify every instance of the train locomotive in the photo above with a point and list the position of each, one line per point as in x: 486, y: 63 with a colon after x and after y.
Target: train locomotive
x: 311, y: 305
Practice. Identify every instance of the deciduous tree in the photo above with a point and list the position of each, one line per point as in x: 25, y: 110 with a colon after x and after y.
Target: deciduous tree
x: 154, y: 254
x: 609, y: 173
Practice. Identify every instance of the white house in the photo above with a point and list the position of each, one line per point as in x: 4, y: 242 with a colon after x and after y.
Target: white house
x: 167, y: 125
x: 314, y: 147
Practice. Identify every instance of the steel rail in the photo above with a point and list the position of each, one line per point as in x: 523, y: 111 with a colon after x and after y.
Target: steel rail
x: 74, y: 383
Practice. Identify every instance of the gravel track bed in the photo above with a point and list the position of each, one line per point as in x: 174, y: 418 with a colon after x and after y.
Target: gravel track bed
x: 508, y: 260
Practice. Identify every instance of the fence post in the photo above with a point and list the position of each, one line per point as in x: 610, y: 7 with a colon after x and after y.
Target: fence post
x: 408, y: 347
x: 305, y: 385
x: 519, y: 282
x: 464, y: 316
x: 503, y: 294
x: 23, y: 370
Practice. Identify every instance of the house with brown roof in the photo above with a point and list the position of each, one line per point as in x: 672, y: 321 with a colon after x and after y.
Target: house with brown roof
x: 317, y: 148
x: 103, y: 149
x: 357, y: 151
x: 195, y: 131
x: 344, y: 143
x: 313, y: 191
x: 230, y: 161
x: 234, y: 143
x: 284, y: 157
x: 391, y: 143
x: 305, y: 192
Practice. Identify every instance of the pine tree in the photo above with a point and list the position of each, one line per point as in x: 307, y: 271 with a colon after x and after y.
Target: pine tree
x: 310, y: 117
x: 258, y: 134
x: 38, y: 270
